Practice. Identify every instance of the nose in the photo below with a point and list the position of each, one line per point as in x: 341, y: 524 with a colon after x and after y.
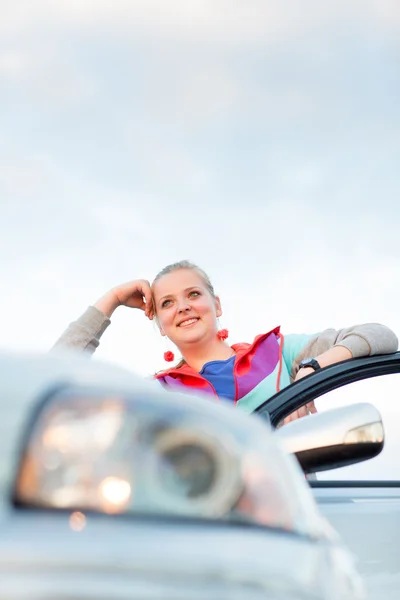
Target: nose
x: 183, y: 305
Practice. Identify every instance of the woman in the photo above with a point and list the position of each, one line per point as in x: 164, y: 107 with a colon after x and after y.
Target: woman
x: 183, y: 303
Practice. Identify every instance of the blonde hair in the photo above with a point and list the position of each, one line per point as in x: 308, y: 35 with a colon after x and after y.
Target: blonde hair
x: 186, y: 264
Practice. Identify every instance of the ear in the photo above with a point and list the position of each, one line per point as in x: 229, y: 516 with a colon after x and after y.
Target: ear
x: 218, y: 308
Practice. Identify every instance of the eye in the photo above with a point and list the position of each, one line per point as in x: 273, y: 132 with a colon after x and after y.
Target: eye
x: 194, y: 294
x: 165, y: 303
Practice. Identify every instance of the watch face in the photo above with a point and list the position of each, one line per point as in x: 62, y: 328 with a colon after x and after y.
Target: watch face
x: 307, y: 361
x: 310, y: 362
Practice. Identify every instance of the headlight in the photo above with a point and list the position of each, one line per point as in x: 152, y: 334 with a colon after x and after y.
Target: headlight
x: 156, y: 455
x: 193, y: 471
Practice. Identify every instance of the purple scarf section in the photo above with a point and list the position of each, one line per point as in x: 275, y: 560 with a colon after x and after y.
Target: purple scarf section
x: 263, y: 363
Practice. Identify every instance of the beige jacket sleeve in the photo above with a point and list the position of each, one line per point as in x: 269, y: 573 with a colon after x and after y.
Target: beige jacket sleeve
x: 362, y: 340
x: 85, y: 332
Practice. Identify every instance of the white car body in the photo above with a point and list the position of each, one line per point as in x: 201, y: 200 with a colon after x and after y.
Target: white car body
x: 42, y: 556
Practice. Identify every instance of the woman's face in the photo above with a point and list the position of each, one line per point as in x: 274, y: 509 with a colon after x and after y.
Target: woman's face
x: 185, y: 309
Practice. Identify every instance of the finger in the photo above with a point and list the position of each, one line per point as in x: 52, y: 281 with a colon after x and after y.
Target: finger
x: 143, y: 290
x: 302, y: 411
x: 292, y: 417
x: 148, y: 299
x: 311, y: 407
x: 150, y: 311
x: 288, y: 419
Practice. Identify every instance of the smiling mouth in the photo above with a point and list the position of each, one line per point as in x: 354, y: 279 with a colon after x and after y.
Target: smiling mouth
x: 188, y: 322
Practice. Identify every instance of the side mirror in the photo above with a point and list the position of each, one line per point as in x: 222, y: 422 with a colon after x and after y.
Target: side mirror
x: 334, y: 438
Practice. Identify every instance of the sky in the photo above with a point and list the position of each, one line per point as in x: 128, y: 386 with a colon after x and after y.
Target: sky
x: 259, y: 139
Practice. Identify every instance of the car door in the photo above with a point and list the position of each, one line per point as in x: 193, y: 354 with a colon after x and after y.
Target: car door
x: 362, y: 501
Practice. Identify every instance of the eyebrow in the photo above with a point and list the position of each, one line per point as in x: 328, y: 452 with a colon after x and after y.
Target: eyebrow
x: 193, y: 287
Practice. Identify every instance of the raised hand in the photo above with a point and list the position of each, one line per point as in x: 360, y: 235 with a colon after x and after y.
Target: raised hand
x: 134, y: 294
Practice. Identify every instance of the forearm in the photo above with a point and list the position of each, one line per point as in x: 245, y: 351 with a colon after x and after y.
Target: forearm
x: 85, y: 333
x: 107, y: 304
x: 334, y: 355
x: 329, y: 357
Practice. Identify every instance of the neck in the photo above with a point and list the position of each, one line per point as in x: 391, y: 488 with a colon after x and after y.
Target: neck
x: 197, y: 357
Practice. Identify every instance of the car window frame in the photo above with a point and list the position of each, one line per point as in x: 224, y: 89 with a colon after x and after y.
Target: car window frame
x: 292, y: 397
x: 280, y: 405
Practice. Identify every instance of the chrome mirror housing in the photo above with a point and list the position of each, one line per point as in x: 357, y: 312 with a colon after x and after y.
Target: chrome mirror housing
x: 335, y: 438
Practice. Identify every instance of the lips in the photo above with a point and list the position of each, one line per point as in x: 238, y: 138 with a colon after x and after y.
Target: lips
x: 188, y: 322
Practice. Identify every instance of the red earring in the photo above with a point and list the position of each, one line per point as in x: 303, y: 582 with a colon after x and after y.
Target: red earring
x: 222, y: 334
x: 169, y: 356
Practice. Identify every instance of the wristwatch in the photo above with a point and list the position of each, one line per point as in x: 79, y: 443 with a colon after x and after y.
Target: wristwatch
x: 309, y: 363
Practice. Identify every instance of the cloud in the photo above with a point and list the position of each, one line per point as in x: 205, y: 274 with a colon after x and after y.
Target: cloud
x: 258, y: 139
x: 219, y: 21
